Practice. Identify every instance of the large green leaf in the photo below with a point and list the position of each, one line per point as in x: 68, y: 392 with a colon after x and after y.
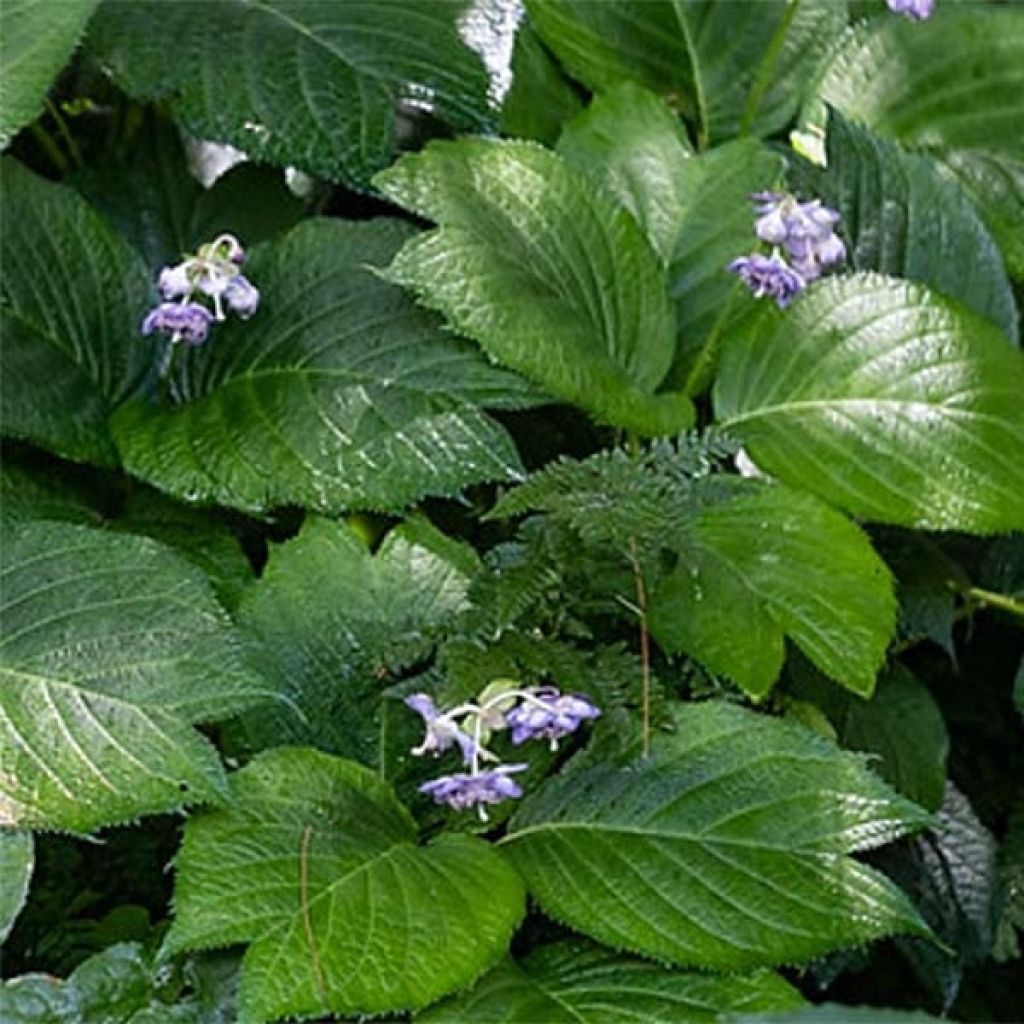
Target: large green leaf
x: 836, y: 1013
x: 545, y: 271
x: 337, y: 394
x: 901, y: 216
x: 114, y: 647
x: 783, y: 564
x: 576, y: 983
x: 723, y: 849
x: 954, y: 85
x: 885, y: 399
x: 631, y: 143
x: 73, y: 296
x: 17, y: 858
x: 330, y: 624
x: 36, y: 39
x: 733, y: 67
x: 297, y: 82
x: 149, y: 195
x: 315, y: 866
x: 901, y: 725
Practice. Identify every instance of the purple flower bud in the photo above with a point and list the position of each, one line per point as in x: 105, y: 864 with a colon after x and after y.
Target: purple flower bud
x: 441, y: 732
x: 768, y: 275
x: 183, y: 321
x: 174, y: 281
x: 464, y: 790
x: 242, y: 297
x: 550, y: 715
x: 918, y: 10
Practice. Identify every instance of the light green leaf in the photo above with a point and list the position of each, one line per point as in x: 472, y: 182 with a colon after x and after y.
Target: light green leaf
x: 731, y: 67
x: 901, y: 216
x: 337, y: 394
x: 901, y: 725
x: 545, y: 271
x: 576, y: 983
x: 299, y: 83
x: 151, y: 198
x: 73, y: 296
x: 726, y: 846
x: 17, y: 859
x: 784, y: 564
x: 114, y: 647
x: 37, y: 38
x: 315, y: 867
x: 540, y: 99
x: 716, y: 225
x: 331, y: 624
x: 885, y: 399
x: 630, y: 143
x: 836, y: 1013
x: 953, y: 85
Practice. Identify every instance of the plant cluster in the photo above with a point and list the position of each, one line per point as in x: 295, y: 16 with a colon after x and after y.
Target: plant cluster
x: 511, y: 511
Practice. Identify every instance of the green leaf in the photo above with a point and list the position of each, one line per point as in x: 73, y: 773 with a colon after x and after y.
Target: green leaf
x: 630, y: 143
x: 72, y: 299
x: 28, y: 491
x: 716, y: 225
x: 836, y: 1013
x: 37, y: 39
x: 540, y: 99
x: 337, y: 394
x: 315, y: 867
x: 885, y: 399
x: 901, y: 216
x: 120, y: 985
x: 331, y: 624
x: 732, y: 67
x: 575, y: 983
x: 952, y: 85
x: 17, y: 859
x: 545, y: 271
x: 114, y: 647
x: 901, y: 725
x: 298, y: 83
x: 784, y: 564
x: 151, y: 198
x: 726, y: 845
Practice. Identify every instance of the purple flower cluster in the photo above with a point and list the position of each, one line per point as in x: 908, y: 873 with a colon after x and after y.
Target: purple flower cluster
x: 918, y: 10
x: 213, y: 273
x: 805, y: 231
x: 530, y: 713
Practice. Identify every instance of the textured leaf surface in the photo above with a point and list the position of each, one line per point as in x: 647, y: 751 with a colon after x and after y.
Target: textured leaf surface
x: 901, y: 724
x: 338, y: 393
x: 575, y: 983
x: 152, y: 199
x: 315, y: 866
x: 886, y: 399
x: 297, y: 82
x: 726, y: 847
x: 329, y: 624
x: 784, y: 564
x: 73, y: 296
x: 545, y: 271
x: 17, y: 858
x: 631, y: 143
x: 900, y: 216
x: 114, y: 647
x: 836, y: 1013
x: 36, y: 39
x: 732, y: 66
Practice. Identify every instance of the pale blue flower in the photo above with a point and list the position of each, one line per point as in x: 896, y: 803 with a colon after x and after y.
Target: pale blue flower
x: 466, y: 790
x: 183, y: 321
x: 549, y: 715
x: 918, y: 10
x: 241, y: 296
x: 768, y: 275
x: 441, y: 732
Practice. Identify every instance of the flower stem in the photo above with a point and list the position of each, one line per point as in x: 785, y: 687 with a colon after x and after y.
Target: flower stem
x: 1003, y: 602
x: 69, y: 140
x: 645, y: 639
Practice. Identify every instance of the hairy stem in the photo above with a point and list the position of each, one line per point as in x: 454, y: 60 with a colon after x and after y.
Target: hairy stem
x: 307, y: 923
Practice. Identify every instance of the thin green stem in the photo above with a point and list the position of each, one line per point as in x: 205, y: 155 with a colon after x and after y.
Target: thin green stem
x: 645, y: 637
x: 65, y: 134
x: 992, y: 599
x: 764, y: 71
x: 50, y: 148
x: 701, y: 368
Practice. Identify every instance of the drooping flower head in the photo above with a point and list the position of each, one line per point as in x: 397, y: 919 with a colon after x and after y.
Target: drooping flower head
x: 550, y: 715
x: 918, y: 10
x: 212, y: 273
x: 805, y: 230
x: 768, y: 275
x: 466, y: 789
x: 441, y: 732
x: 183, y: 321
